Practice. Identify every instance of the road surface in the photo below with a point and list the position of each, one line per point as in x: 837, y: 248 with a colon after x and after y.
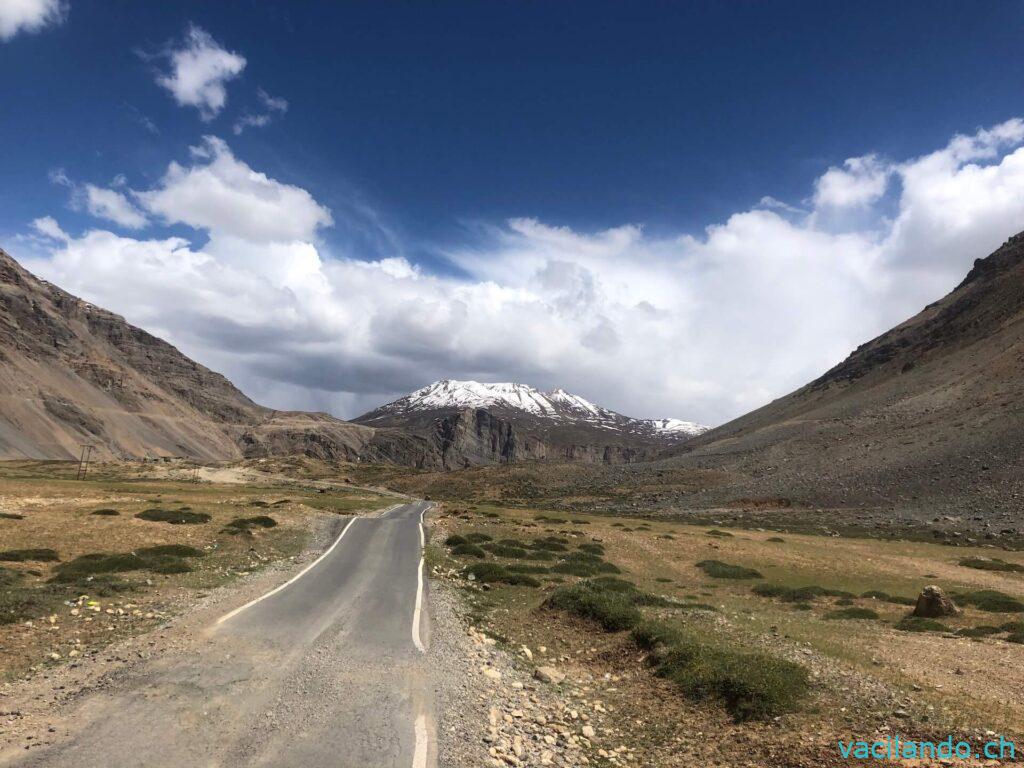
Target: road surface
x: 326, y: 670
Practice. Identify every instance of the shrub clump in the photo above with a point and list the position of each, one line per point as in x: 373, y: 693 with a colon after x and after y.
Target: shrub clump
x: 719, y: 534
x: 776, y: 540
x: 491, y: 573
x: 613, y: 608
x: 797, y: 594
x: 991, y: 564
x: 504, y: 550
x: 454, y: 540
x: 477, y: 538
x: 85, y: 567
x: 174, y: 516
x: 918, y: 624
x: 105, y: 512
x: 751, y: 686
x: 11, y: 516
x: 468, y: 550
x: 993, y: 601
x: 716, y: 569
x: 29, y: 555
x: 246, y: 524
x: 852, y: 613
x: 983, y: 630
x: 174, y: 550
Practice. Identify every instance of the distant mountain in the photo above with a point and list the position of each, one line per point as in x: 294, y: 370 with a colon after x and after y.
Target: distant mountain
x: 473, y: 422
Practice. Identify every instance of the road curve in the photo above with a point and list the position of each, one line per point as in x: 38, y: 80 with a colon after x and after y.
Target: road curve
x: 326, y: 670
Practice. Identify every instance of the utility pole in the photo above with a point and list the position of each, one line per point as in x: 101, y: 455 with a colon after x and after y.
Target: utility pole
x: 83, y: 462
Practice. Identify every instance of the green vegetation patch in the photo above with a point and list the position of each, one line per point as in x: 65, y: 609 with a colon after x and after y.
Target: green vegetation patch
x: 716, y: 569
x: 173, y: 550
x: 82, y: 569
x: 852, y: 613
x: 992, y: 600
x: 105, y: 512
x: 592, y: 548
x: 918, y: 624
x: 611, y: 606
x: 11, y: 516
x: 246, y: 524
x: 776, y: 540
x: 29, y: 556
x: 797, y: 594
x: 751, y: 686
x: 477, y: 538
x: 174, y: 516
x: 991, y: 564
x: 468, y: 550
x: 492, y: 573
x: 885, y: 597
x: 719, y: 534
x: 503, y: 550
x: 984, y: 630
x: 455, y: 540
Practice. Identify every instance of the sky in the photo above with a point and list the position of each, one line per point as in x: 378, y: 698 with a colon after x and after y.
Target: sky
x: 675, y: 210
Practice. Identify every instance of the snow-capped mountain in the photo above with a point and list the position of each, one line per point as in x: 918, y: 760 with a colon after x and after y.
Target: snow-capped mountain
x: 556, y: 406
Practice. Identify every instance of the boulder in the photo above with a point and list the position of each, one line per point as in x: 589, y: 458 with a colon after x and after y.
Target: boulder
x: 933, y: 603
x: 549, y: 675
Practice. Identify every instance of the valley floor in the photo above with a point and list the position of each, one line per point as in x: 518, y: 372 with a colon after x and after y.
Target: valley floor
x: 554, y: 638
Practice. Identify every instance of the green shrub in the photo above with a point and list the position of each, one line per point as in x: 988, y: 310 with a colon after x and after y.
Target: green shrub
x: 918, y: 624
x: 468, y: 550
x: 751, y: 686
x: 885, y: 597
x: 719, y: 534
x: 11, y: 516
x: 83, y: 568
x: 477, y: 538
x: 797, y: 594
x: 991, y: 564
x: 649, y: 634
x: 501, y: 550
x: 454, y: 540
x: 593, y: 549
x: 663, y: 580
x: 105, y: 512
x: 550, y: 544
x: 585, y: 568
x: 1015, y: 637
x: 716, y: 569
x: 614, y: 610
x: 173, y: 516
x: 246, y: 524
x: 490, y: 573
x: 776, y: 540
x: 29, y: 555
x: 524, y: 568
x: 983, y: 630
x: 1012, y: 626
x: 993, y: 601
x: 852, y: 613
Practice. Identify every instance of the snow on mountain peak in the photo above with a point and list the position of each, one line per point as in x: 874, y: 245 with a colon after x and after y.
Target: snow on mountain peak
x: 557, y: 405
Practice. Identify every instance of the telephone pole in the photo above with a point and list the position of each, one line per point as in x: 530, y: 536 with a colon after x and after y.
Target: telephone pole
x: 83, y: 462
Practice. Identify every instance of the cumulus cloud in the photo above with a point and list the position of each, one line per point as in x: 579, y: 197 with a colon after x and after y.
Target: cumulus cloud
x: 700, y: 327
x: 30, y: 16
x: 223, y: 195
x: 861, y: 181
x: 199, y: 71
x: 101, y: 202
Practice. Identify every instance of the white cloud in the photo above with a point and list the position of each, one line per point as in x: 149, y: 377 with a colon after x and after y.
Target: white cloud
x: 199, y: 71
x: 113, y: 206
x: 702, y: 328
x: 47, y: 226
x: 108, y: 204
x: 272, y: 105
x: 221, y: 194
x: 29, y: 16
x: 860, y: 182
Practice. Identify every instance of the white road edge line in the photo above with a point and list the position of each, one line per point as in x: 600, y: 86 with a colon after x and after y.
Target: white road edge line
x: 419, y: 593
x: 293, y: 579
x: 419, y: 756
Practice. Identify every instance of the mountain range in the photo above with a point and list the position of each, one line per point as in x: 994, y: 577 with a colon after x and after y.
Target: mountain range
x: 73, y: 374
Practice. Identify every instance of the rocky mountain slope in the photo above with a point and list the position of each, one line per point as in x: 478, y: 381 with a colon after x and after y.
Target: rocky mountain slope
x: 477, y: 423
x: 73, y: 374
x: 927, y: 417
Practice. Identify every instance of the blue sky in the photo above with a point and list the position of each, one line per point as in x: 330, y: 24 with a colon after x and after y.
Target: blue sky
x: 503, y: 163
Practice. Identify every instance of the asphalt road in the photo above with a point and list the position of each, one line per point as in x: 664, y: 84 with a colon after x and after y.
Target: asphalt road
x: 326, y: 670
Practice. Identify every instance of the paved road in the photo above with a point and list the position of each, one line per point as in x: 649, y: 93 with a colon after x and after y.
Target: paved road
x: 327, y: 670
